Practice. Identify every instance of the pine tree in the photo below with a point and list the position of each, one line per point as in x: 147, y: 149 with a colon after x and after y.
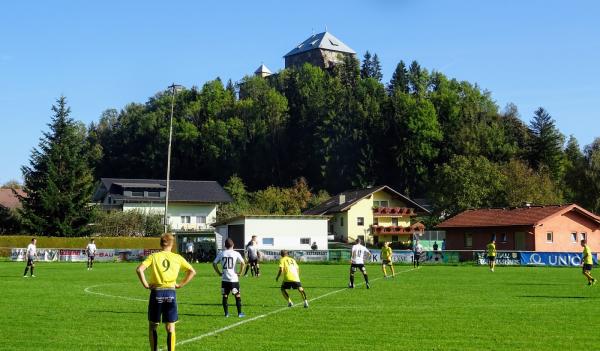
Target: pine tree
x: 58, y: 180
x: 546, y: 144
x: 399, y: 79
x: 366, y: 70
x: 376, y: 68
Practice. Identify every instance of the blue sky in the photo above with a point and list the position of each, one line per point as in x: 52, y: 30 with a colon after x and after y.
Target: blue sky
x: 105, y: 54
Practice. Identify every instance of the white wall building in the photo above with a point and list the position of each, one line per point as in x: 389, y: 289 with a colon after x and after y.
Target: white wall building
x: 275, y: 232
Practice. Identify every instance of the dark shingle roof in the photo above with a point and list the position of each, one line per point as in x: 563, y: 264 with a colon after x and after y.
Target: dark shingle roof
x: 8, y: 198
x: 323, y: 40
x: 332, y: 205
x: 180, y: 190
x: 514, y: 216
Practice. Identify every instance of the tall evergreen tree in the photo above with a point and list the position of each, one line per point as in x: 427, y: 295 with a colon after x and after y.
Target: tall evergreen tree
x: 376, y: 68
x: 58, y: 180
x: 546, y: 143
x: 366, y: 70
x: 399, y: 79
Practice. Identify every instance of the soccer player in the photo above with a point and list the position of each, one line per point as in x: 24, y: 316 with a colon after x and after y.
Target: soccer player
x: 291, y: 278
x: 491, y: 254
x: 357, y: 261
x: 386, y: 259
x: 189, y: 251
x: 164, y: 269
x: 417, y: 251
x: 30, y: 256
x: 252, y: 255
x: 230, y: 282
x: 90, y: 250
x: 587, y: 262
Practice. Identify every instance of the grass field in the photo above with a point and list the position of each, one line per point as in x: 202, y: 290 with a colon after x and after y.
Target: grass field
x: 433, y: 308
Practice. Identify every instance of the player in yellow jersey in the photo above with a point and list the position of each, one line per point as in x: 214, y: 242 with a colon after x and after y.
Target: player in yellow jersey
x: 491, y: 254
x: 164, y: 269
x: 587, y: 262
x: 386, y: 259
x: 291, y: 278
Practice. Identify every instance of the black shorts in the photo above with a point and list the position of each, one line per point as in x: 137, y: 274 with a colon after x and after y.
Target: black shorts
x: 230, y: 287
x: 291, y: 285
x: 360, y: 267
x: 91, y: 257
x: 587, y: 267
x: 386, y: 262
x: 417, y: 256
x: 492, y: 258
x: 163, y: 303
x: 30, y: 261
x: 253, y: 261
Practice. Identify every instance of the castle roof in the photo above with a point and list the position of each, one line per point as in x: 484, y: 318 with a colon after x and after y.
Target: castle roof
x: 325, y: 41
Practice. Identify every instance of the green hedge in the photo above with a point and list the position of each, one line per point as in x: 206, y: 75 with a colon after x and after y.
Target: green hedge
x: 47, y: 242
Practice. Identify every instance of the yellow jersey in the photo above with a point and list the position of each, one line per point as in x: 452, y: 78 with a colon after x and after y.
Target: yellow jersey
x: 289, y: 269
x: 491, y: 249
x: 386, y: 253
x: 164, y: 268
x: 587, y: 255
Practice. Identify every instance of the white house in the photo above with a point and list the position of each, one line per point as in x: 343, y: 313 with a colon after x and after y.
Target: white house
x: 275, y: 232
x: 192, y: 204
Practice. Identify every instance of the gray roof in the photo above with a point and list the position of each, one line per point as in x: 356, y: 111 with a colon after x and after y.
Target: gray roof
x: 206, y: 191
x: 332, y: 205
x: 263, y: 69
x: 324, y: 41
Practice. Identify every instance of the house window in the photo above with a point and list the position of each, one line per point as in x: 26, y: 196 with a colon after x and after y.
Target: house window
x: 186, y: 219
x: 504, y: 237
x: 468, y: 240
x: 154, y: 194
x: 583, y: 236
x: 137, y: 193
x: 384, y: 203
x: 201, y: 219
x: 574, y: 237
x: 549, y: 237
x: 375, y: 221
x: 268, y: 241
x: 341, y: 221
x: 305, y: 241
x: 494, y: 237
x: 394, y: 238
x: 395, y: 221
x: 375, y: 203
x: 360, y: 221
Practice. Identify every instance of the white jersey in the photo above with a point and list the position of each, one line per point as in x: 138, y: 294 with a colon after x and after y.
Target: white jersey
x: 358, y: 254
x: 90, y: 249
x: 252, y: 251
x: 419, y: 249
x: 228, y: 260
x: 31, y: 251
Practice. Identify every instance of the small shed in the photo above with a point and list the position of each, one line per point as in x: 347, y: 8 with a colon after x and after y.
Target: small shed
x: 275, y: 232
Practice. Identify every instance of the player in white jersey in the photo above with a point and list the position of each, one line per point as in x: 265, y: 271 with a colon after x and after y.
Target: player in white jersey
x: 30, y: 254
x: 90, y: 251
x: 230, y: 283
x: 252, y: 257
x: 357, y: 261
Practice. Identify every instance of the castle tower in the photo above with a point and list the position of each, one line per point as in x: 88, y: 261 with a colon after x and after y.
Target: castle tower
x: 263, y: 71
x: 323, y: 50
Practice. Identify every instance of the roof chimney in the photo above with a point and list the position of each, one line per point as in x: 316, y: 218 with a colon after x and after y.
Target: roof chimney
x: 342, y: 199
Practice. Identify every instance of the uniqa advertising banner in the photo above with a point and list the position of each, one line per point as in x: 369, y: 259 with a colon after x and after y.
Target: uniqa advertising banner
x: 553, y: 258
x: 504, y: 258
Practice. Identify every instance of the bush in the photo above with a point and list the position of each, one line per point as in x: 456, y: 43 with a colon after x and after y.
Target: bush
x: 128, y: 223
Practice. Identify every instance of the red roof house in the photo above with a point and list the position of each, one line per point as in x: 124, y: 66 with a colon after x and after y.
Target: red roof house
x: 9, y: 200
x: 556, y: 228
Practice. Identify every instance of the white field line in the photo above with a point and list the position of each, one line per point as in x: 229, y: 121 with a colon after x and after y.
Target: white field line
x: 218, y: 331
x: 89, y: 291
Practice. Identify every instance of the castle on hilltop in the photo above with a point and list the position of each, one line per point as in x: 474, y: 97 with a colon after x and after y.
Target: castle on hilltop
x: 322, y: 50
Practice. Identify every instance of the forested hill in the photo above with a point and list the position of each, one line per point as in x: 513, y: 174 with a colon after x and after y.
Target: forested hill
x: 423, y: 133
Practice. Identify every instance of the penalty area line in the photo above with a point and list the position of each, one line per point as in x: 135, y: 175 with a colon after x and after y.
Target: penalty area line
x: 89, y: 291
x: 218, y: 331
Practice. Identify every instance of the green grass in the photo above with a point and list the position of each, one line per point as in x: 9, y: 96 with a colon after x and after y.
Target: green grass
x: 433, y: 308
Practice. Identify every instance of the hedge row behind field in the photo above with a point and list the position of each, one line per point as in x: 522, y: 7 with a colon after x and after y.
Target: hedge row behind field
x: 13, y: 241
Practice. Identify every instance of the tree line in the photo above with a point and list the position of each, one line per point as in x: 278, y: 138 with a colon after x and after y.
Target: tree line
x: 424, y: 134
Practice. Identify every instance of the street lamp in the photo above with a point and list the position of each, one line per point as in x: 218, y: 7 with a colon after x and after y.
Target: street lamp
x: 174, y: 89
